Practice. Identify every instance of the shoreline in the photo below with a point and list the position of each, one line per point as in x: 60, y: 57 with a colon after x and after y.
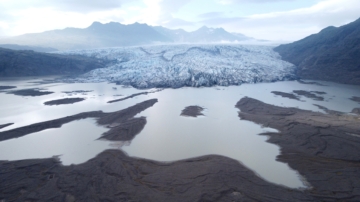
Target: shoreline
x: 210, y: 177
x: 319, y: 146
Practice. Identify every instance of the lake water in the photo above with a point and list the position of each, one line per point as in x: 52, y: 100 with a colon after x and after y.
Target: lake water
x: 167, y: 135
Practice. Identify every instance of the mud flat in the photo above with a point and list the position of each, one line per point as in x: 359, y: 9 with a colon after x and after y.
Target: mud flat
x: 356, y: 111
x: 5, y: 125
x: 133, y: 95
x: 30, y: 92
x: 310, y: 82
x: 286, y: 95
x: 324, y: 148
x: 309, y: 94
x: 356, y: 99
x: 7, y: 87
x: 64, y: 101
x: 113, y: 176
x: 115, y: 121
x: 193, y: 111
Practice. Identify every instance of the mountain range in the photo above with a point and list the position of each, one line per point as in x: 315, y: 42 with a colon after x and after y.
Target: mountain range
x: 114, y: 34
x: 333, y: 54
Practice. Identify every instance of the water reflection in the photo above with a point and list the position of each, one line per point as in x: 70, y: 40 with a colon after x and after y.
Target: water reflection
x: 73, y: 143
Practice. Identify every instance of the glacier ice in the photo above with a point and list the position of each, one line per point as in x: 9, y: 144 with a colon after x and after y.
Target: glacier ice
x: 175, y: 66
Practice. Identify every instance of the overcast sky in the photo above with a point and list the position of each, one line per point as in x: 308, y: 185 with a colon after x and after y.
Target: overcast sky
x: 280, y: 20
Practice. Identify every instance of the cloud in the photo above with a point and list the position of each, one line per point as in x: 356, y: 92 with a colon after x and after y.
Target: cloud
x: 250, y: 1
x: 82, y: 6
x: 177, y: 23
x: 171, y: 6
x: 293, y: 24
x: 160, y: 12
x: 211, y: 15
x: 222, y: 21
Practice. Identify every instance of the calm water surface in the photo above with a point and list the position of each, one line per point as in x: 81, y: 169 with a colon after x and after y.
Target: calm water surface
x: 167, y: 136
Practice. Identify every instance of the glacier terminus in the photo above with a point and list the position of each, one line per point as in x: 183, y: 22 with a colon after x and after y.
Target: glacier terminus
x: 195, y: 65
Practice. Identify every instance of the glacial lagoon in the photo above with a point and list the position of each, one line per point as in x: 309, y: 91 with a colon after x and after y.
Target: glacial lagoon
x: 167, y: 136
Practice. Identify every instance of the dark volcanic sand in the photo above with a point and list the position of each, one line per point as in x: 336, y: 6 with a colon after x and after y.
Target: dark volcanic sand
x: 64, y: 101
x: 287, y: 95
x: 356, y: 99
x: 324, y: 148
x: 30, y: 92
x: 114, y: 120
x: 113, y: 176
x: 77, y: 91
x: 7, y: 87
x: 193, y: 111
x: 319, y: 92
x: 128, y: 97
x: 131, y: 96
x: 333, y: 112
x: 5, y: 125
x: 356, y: 111
x: 308, y: 94
x: 310, y: 82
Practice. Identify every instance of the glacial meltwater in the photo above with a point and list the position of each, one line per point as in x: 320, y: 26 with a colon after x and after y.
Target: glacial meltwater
x: 167, y: 136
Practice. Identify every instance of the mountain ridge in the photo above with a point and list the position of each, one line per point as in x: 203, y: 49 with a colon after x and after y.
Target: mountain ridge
x: 114, y: 34
x: 333, y: 54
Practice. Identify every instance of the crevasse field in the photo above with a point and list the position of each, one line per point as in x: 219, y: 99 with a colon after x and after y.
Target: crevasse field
x: 176, y: 66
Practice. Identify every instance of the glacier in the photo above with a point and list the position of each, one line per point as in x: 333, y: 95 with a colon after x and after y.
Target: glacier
x: 174, y: 66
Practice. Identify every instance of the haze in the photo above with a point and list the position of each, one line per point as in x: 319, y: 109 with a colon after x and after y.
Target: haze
x: 277, y: 20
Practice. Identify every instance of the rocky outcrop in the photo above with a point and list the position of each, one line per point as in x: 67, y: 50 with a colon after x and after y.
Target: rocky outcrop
x: 331, y: 55
x: 30, y: 63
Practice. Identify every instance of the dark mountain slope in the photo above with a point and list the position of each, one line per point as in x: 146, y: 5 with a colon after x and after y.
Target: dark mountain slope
x: 34, y: 48
x: 30, y: 63
x: 333, y: 54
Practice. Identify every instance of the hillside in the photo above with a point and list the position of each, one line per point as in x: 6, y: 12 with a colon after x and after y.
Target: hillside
x: 34, y: 48
x: 30, y: 63
x: 332, y: 55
